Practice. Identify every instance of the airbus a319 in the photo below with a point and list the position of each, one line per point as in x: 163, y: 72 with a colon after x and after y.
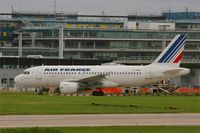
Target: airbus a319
x: 70, y: 78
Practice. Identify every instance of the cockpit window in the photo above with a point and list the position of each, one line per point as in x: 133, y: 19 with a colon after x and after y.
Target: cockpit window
x: 26, y: 72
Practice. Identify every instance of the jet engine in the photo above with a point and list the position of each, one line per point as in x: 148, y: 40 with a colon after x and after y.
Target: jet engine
x: 68, y: 87
x: 109, y: 84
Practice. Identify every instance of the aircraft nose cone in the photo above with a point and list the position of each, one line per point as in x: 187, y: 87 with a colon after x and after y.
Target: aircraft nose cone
x: 17, y: 79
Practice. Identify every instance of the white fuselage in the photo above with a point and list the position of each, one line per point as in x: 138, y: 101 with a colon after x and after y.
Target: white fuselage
x: 51, y: 76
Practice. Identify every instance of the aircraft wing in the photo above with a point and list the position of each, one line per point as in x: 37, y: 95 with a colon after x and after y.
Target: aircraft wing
x: 92, y: 80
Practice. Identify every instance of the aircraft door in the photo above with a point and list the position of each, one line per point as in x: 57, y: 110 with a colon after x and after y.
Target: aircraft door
x: 148, y: 74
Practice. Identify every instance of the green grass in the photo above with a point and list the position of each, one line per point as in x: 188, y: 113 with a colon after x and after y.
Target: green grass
x: 17, y: 103
x: 125, y: 129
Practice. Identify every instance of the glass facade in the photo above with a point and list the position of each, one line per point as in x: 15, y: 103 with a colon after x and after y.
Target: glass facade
x: 96, y: 39
x: 181, y: 15
x: 105, y: 44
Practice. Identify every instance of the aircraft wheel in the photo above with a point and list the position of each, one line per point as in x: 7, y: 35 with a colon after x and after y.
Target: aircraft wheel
x: 97, y: 93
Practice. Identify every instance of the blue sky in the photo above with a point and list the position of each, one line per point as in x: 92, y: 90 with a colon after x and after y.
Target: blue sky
x: 110, y: 7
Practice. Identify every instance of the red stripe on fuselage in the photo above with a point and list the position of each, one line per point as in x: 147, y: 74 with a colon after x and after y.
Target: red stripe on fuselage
x: 178, y: 58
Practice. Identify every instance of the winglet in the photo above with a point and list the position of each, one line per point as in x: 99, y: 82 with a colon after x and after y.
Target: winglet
x: 173, y: 53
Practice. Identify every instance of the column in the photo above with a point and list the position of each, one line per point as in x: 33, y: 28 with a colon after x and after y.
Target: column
x: 61, y: 43
x: 33, y: 39
x: 20, y: 45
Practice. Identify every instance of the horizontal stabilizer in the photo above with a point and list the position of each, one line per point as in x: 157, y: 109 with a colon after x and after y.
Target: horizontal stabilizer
x: 173, y: 71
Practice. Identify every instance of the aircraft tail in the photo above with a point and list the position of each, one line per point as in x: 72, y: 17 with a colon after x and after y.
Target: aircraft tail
x: 173, y: 53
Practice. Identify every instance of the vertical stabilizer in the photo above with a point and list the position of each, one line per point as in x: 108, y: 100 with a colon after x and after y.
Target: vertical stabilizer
x: 173, y: 53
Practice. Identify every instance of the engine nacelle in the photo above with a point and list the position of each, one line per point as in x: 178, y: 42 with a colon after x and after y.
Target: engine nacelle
x: 68, y: 87
x: 109, y: 84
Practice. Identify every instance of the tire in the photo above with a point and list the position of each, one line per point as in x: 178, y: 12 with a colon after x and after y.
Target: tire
x: 95, y: 93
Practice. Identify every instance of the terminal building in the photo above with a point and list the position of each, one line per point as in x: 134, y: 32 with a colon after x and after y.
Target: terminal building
x: 46, y: 38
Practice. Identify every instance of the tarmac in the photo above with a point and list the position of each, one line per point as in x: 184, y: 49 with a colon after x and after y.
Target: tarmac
x: 12, y: 121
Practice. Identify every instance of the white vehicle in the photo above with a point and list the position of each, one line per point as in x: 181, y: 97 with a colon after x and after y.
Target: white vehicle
x: 70, y: 78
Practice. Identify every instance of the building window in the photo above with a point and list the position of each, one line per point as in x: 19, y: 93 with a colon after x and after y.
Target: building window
x: 3, y: 81
x: 11, y: 81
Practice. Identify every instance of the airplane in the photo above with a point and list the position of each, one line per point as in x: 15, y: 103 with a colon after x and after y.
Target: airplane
x: 70, y: 78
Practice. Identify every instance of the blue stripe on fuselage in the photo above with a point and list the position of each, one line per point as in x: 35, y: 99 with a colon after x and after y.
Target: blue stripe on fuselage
x: 170, y: 49
x: 176, y: 50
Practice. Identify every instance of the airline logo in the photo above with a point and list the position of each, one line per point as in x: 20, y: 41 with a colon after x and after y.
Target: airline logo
x: 175, y: 52
x: 66, y: 69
